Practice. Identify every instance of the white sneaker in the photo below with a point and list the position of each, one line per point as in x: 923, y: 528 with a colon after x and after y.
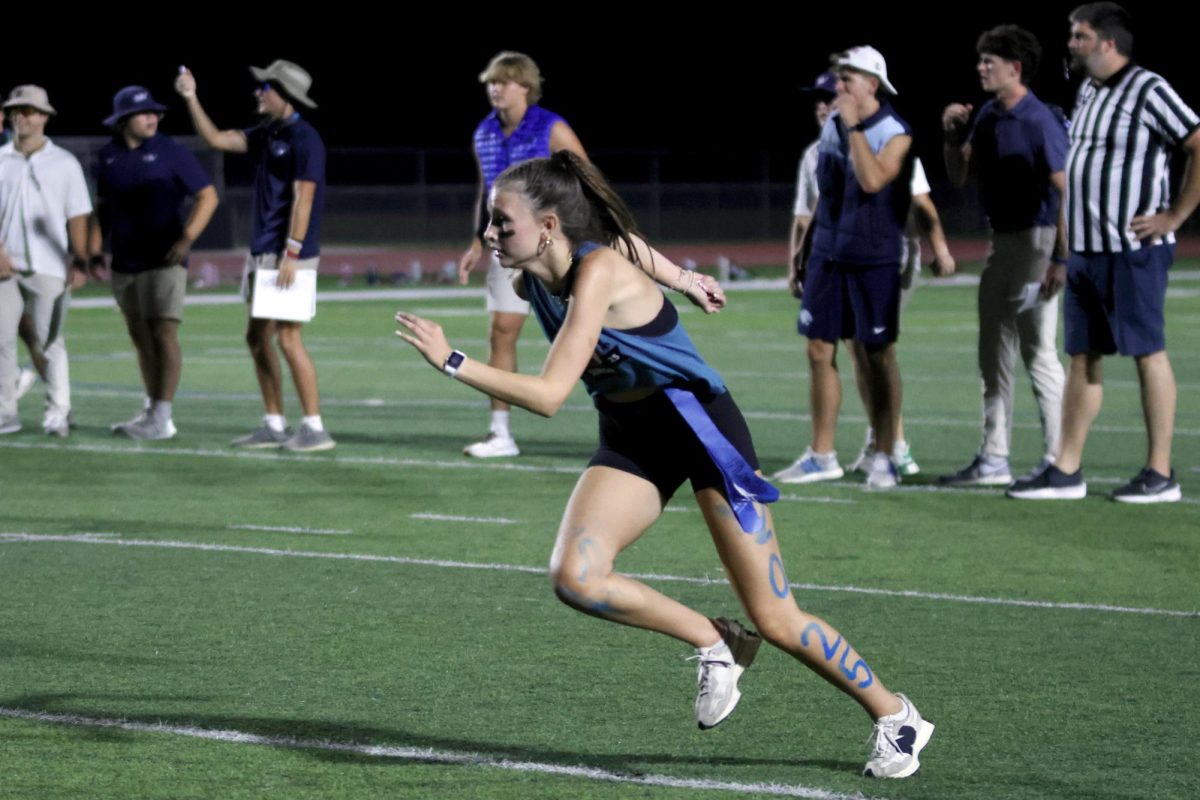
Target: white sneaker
x: 897, y: 744
x: 149, y: 429
x: 140, y: 418
x: 862, y: 462
x: 906, y: 465
x: 494, y: 446
x: 10, y: 424
x: 719, y: 670
x: 882, y: 473
x: 55, y: 424
x: 25, y: 380
x: 811, y: 467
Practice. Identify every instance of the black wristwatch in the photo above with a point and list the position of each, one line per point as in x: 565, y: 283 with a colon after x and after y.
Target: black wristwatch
x: 454, y: 362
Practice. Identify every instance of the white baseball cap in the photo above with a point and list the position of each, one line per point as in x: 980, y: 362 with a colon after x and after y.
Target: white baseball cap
x: 869, y: 60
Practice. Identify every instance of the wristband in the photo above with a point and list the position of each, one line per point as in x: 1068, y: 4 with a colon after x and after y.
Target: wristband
x: 1060, y: 260
x: 454, y: 363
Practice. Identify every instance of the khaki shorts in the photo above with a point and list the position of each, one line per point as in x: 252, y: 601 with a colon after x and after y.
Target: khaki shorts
x: 500, y: 293
x: 267, y: 261
x: 153, y: 294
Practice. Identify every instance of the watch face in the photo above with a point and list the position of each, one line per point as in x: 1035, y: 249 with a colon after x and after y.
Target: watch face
x: 455, y: 360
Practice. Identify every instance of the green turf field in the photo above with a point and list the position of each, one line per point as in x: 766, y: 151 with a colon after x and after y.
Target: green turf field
x: 180, y: 620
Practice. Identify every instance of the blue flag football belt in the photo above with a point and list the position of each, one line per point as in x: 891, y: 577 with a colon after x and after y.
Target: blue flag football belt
x: 743, y: 486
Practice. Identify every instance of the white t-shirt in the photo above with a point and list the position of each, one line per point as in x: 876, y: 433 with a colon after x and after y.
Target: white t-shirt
x: 38, y: 194
x: 806, y: 182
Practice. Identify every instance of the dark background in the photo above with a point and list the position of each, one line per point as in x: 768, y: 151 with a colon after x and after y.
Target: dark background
x: 719, y: 90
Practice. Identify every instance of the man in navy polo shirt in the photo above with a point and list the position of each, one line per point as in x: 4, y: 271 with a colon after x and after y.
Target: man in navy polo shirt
x: 143, y: 178
x: 1017, y: 147
x: 852, y: 286
x: 289, y: 188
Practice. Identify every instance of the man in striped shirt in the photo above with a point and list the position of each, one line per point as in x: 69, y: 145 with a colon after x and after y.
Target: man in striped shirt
x: 1120, y: 227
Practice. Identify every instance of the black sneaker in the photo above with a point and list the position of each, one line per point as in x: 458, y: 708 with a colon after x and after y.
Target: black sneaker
x: 1049, y: 484
x: 1149, y: 487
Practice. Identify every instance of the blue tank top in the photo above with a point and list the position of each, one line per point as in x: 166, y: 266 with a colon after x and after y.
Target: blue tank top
x: 531, y: 139
x: 659, y: 353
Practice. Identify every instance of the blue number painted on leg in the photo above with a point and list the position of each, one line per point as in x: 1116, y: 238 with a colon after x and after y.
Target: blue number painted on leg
x: 780, y: 587
x: 852, y: 673
x: 829, y: 651
x: 587, y: 561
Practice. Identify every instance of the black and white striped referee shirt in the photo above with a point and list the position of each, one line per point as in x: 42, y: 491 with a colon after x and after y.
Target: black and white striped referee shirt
x: 1122, y: 135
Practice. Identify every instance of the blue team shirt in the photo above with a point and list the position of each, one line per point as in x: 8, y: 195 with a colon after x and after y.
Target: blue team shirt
x: 531, y: 139
x: 284, y: 151
x: 851, y: 225
x: 142, y: 191
x: 1014, y: 152
x: 659, y: 353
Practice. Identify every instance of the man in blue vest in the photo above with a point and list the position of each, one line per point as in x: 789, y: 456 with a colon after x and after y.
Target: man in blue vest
x: 852, y: 285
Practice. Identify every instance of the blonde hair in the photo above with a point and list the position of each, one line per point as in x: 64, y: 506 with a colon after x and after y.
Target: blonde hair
x: 510, y: 65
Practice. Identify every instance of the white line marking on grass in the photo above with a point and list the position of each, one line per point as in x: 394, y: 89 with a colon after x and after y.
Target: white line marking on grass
x: 799, y: 498
x: 285, y: 529
x: 645, y: 576
x: 451, y: 518
x: 274, y: 456
x: 430, y: 756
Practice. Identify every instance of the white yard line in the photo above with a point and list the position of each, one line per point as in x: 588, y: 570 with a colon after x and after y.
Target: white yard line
x: 430, y: 756
x: 286, y: 529
x: 451, y: 518
x: 646, y: 576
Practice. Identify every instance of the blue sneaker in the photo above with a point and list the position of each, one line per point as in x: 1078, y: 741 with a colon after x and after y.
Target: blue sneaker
x: 811, y: 467
x: 1149, y: 487
x: 1049, y: 484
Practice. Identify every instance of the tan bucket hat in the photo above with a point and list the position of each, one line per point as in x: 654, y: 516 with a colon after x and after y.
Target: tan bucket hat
x: 291, y: 77
x: 31, y: 96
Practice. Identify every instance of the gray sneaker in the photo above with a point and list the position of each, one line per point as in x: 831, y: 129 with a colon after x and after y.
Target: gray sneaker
x: 983, y: 471
x: 119, y: 427
x: 261, y: 438
x: 897, y: 744
x: 307, y: 440
x: 719, y: 671
x: 10, y: 424
x: 148, y: 428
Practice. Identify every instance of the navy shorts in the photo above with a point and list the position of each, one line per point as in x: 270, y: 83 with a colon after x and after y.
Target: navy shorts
x: 848, y: 301
x: 650, y: 439
x: 1114, y: 301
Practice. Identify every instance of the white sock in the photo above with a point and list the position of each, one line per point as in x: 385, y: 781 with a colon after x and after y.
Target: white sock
x: 314, y: 423
x: 161, y: 410
x: 899, y: 448
x: 500, y: 424
x: 147, y: 403
x: 902, y: 714
x: 275, y: 422
x: 714, y: 649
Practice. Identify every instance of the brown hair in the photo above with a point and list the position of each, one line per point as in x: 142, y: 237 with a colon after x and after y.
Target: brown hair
x: 510, y: 65
x: 586, y: 204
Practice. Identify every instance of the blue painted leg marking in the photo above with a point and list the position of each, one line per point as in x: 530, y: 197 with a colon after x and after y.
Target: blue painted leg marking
x: 780, y: 586
x: 852, y: 673
x: 829, y: 651
x: 584, y: 545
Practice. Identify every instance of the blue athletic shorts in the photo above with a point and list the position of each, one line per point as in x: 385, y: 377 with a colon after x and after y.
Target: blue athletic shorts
x: 1114, y: 302
x: 650, y: 439
x: 848, y: 301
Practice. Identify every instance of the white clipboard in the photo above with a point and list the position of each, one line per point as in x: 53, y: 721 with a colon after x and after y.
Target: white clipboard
x: 297, y: 303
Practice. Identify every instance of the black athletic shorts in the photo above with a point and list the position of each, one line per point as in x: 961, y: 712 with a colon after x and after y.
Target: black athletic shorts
x: 650, y: 439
